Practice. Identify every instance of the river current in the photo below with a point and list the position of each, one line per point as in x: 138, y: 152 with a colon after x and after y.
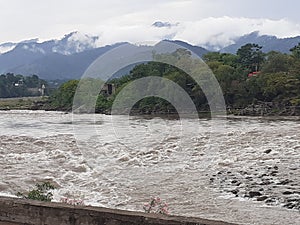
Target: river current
x: 238, y: 169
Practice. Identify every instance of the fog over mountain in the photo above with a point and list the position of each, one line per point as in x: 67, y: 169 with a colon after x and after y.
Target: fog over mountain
x: 268, y: 43
x: 70, y: 56
x: 6, y: 47
x: 66, y: 58
x: 54, y: 59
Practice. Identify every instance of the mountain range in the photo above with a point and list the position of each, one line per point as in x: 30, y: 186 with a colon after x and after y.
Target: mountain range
x: 268, y: 43
x: 70, y: 56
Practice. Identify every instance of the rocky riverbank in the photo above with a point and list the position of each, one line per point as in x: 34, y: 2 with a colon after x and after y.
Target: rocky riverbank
x: 266, y: 109
x: 266, y: 183
x: 259, y: 109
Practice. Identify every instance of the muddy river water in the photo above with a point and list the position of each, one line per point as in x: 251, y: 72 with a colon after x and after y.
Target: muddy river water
x: 243, y: 170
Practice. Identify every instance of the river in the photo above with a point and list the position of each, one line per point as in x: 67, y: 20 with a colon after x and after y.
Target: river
x: 238, y: 169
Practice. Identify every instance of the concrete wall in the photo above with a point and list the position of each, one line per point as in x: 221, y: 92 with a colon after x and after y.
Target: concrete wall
x: 27, y: 212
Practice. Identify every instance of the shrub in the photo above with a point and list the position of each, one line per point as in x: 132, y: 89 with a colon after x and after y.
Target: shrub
x: 42, y: 192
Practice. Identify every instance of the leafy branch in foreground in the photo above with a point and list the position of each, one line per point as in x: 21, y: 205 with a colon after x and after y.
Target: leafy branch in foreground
x: 42, y: 192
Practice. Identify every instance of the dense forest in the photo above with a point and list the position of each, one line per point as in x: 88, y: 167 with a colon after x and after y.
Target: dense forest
x: 246, y: 78
x: 12, y: 85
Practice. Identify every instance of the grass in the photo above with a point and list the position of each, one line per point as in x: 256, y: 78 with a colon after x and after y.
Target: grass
x: 20, y: 103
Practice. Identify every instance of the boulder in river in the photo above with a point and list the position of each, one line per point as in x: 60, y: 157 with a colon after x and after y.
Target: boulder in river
x: 268, y: 151
x: 254, y: 194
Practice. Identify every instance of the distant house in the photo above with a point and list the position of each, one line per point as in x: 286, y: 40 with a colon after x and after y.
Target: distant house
x: 108, y: 89
x: 19, y: 83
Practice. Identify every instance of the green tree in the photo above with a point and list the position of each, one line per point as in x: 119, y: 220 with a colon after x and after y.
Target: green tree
x: 296, y: 51
x: 250, y: 57
x: 63, y: 97
x: 280, y: 87
x: 212, y: 57
x: 224, y: 58
x: 295, y: 65
x: 103, y: 104
x: 276, y: 62
x: 12, y: 85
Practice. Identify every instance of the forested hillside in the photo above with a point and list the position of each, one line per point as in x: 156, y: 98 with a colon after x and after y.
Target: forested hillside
x: 247, y: 78
x: 12, y: 85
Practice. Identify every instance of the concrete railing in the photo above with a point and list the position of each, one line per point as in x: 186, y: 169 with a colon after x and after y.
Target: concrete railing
x: 14, y: 211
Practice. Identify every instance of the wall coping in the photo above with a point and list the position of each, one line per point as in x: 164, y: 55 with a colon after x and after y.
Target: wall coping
x: 23, y: 211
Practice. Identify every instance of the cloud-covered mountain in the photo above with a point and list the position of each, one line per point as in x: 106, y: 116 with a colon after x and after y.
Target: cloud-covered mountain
x: 55, y: 59
x: 74, y: 42
x: 67, y: 58
x: 6, y: 47
x: 200, y: 51
x: 161, y: 24
x: 268, y: 43
x: 70, y: 56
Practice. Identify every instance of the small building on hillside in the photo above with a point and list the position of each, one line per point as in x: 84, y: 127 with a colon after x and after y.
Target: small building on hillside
x: 108, y: 89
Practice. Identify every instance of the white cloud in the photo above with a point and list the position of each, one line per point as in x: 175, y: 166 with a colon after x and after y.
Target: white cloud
x: 222, y: 31
x: 78, y: 37
x: 6, y: 48
x: 199, y: 21
x: 216, y: 31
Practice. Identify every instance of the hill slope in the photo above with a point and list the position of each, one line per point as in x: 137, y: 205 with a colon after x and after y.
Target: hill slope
x: 269, y: 43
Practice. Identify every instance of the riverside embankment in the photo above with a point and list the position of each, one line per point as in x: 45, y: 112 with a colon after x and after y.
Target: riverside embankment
x: 27, y: 212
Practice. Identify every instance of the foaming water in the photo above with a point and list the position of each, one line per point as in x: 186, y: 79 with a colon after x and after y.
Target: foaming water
x: 199, y: 167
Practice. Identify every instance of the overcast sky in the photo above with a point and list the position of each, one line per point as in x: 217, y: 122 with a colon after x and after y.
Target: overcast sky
x: 195, y: 21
